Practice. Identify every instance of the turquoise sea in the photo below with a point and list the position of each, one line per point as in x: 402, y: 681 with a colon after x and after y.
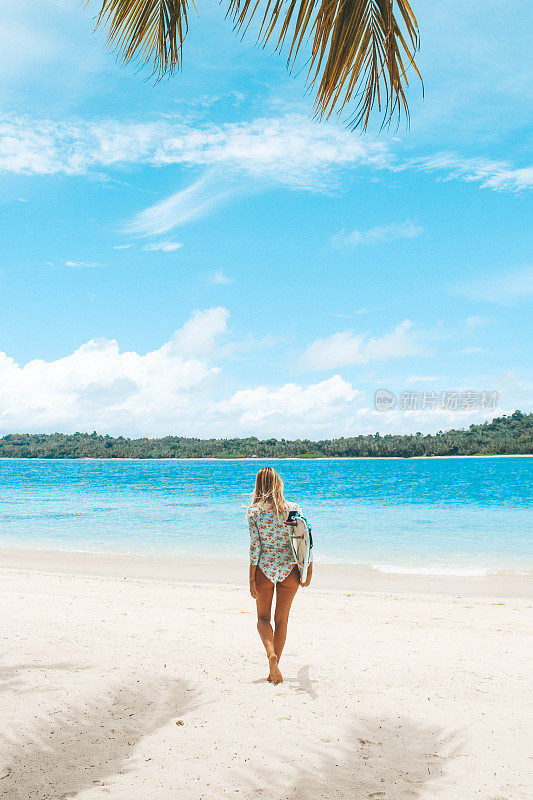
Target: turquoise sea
x: 443, y: 516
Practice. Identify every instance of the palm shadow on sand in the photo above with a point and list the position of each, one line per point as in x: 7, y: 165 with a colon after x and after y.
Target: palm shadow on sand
x: 18, y: 677
x: 86, y: 743
x: 382, y: 759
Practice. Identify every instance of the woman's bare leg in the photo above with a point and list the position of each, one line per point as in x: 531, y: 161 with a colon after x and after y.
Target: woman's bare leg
x: 265, y: 593
x: 285, y: 592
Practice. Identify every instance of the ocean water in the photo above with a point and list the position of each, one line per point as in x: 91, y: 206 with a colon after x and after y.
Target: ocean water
x: 437, y: 516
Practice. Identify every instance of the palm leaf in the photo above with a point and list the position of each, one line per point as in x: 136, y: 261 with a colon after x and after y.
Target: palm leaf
x: 360, y: 49
x: 151, y: 30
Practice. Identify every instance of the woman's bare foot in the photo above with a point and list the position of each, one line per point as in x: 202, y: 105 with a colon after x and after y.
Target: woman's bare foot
x: 275, y: 675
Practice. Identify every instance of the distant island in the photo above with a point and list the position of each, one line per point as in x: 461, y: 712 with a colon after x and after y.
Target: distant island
x: 507, y: 435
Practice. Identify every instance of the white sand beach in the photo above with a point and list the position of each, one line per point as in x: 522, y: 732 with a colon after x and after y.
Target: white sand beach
x: 387, y: 695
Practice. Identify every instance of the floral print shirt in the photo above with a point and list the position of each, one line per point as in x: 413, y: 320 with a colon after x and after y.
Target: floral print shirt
x: 270, y: 545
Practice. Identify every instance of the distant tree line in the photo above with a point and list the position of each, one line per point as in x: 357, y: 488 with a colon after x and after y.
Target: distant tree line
x: 507, y: 435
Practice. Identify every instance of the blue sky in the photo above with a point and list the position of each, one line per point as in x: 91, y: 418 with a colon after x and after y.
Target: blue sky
x: 199, y: 257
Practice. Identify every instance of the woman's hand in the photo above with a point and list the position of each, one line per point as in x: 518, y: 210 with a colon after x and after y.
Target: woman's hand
x: 309, y: 576
x: 251, y: 575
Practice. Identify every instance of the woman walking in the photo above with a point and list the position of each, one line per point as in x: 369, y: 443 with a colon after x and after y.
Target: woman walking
x: 272, y: 563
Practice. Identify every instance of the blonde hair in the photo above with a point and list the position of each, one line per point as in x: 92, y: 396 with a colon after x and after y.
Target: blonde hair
x: 268, y: 492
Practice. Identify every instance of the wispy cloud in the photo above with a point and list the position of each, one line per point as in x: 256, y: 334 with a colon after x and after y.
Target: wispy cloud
x: 239, y: 350
x: 346, y: 348
x: 357, y: 313
x: 507, y: 289
x: 236, y: 158
x: 379, y: 233
x: 165, y: 247
x: 420, y: 379
x: 121, y: 246
x: 184, y: 206
x: 289, y: 150
x: 219, y: 278
x: 82, y: 264
x: 489, y: 173
x: 476, y: 321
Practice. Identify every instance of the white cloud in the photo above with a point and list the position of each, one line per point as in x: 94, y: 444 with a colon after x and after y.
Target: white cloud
x: 345, y: 348
x: 170, y: 389
x: 189, y: 204
x: 121, y: 247
x: 420, y: 379
x: 290, y: 150
x: 82, y: 264
x: 199, y: 334
x: 489, y: 173
x: 237, y: 350
x: 165, y: 247
x: 284, y: 405
x: 476, y: 321
x: 426, y: 421
x: 219, y: 278
x: 177, y: 388
x: 505, y: 289
x: 515, y: 390
x: 379, y: 233
x: 99, y: 387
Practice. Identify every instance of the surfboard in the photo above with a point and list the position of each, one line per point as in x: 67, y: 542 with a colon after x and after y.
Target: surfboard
x: 301, y: 542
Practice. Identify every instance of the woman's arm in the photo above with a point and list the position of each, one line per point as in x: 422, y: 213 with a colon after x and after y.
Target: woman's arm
x: 255, y: 551
x: 253, y: 590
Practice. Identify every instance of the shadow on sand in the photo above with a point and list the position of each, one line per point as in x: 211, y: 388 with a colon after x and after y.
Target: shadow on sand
x: 386, y: 759
x: 393, y: 759
x: 304, y: 683
x: 87, y: 742
x: 19, y: 677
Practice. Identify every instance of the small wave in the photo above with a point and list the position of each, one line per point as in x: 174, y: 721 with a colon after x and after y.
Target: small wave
x: 448, y: 570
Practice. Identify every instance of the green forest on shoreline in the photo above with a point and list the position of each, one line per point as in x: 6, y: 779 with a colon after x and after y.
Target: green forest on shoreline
x: 507, y: 435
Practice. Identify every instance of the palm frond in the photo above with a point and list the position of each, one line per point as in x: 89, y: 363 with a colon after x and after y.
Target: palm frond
x: 150, y: 30
x: 360, y: 49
